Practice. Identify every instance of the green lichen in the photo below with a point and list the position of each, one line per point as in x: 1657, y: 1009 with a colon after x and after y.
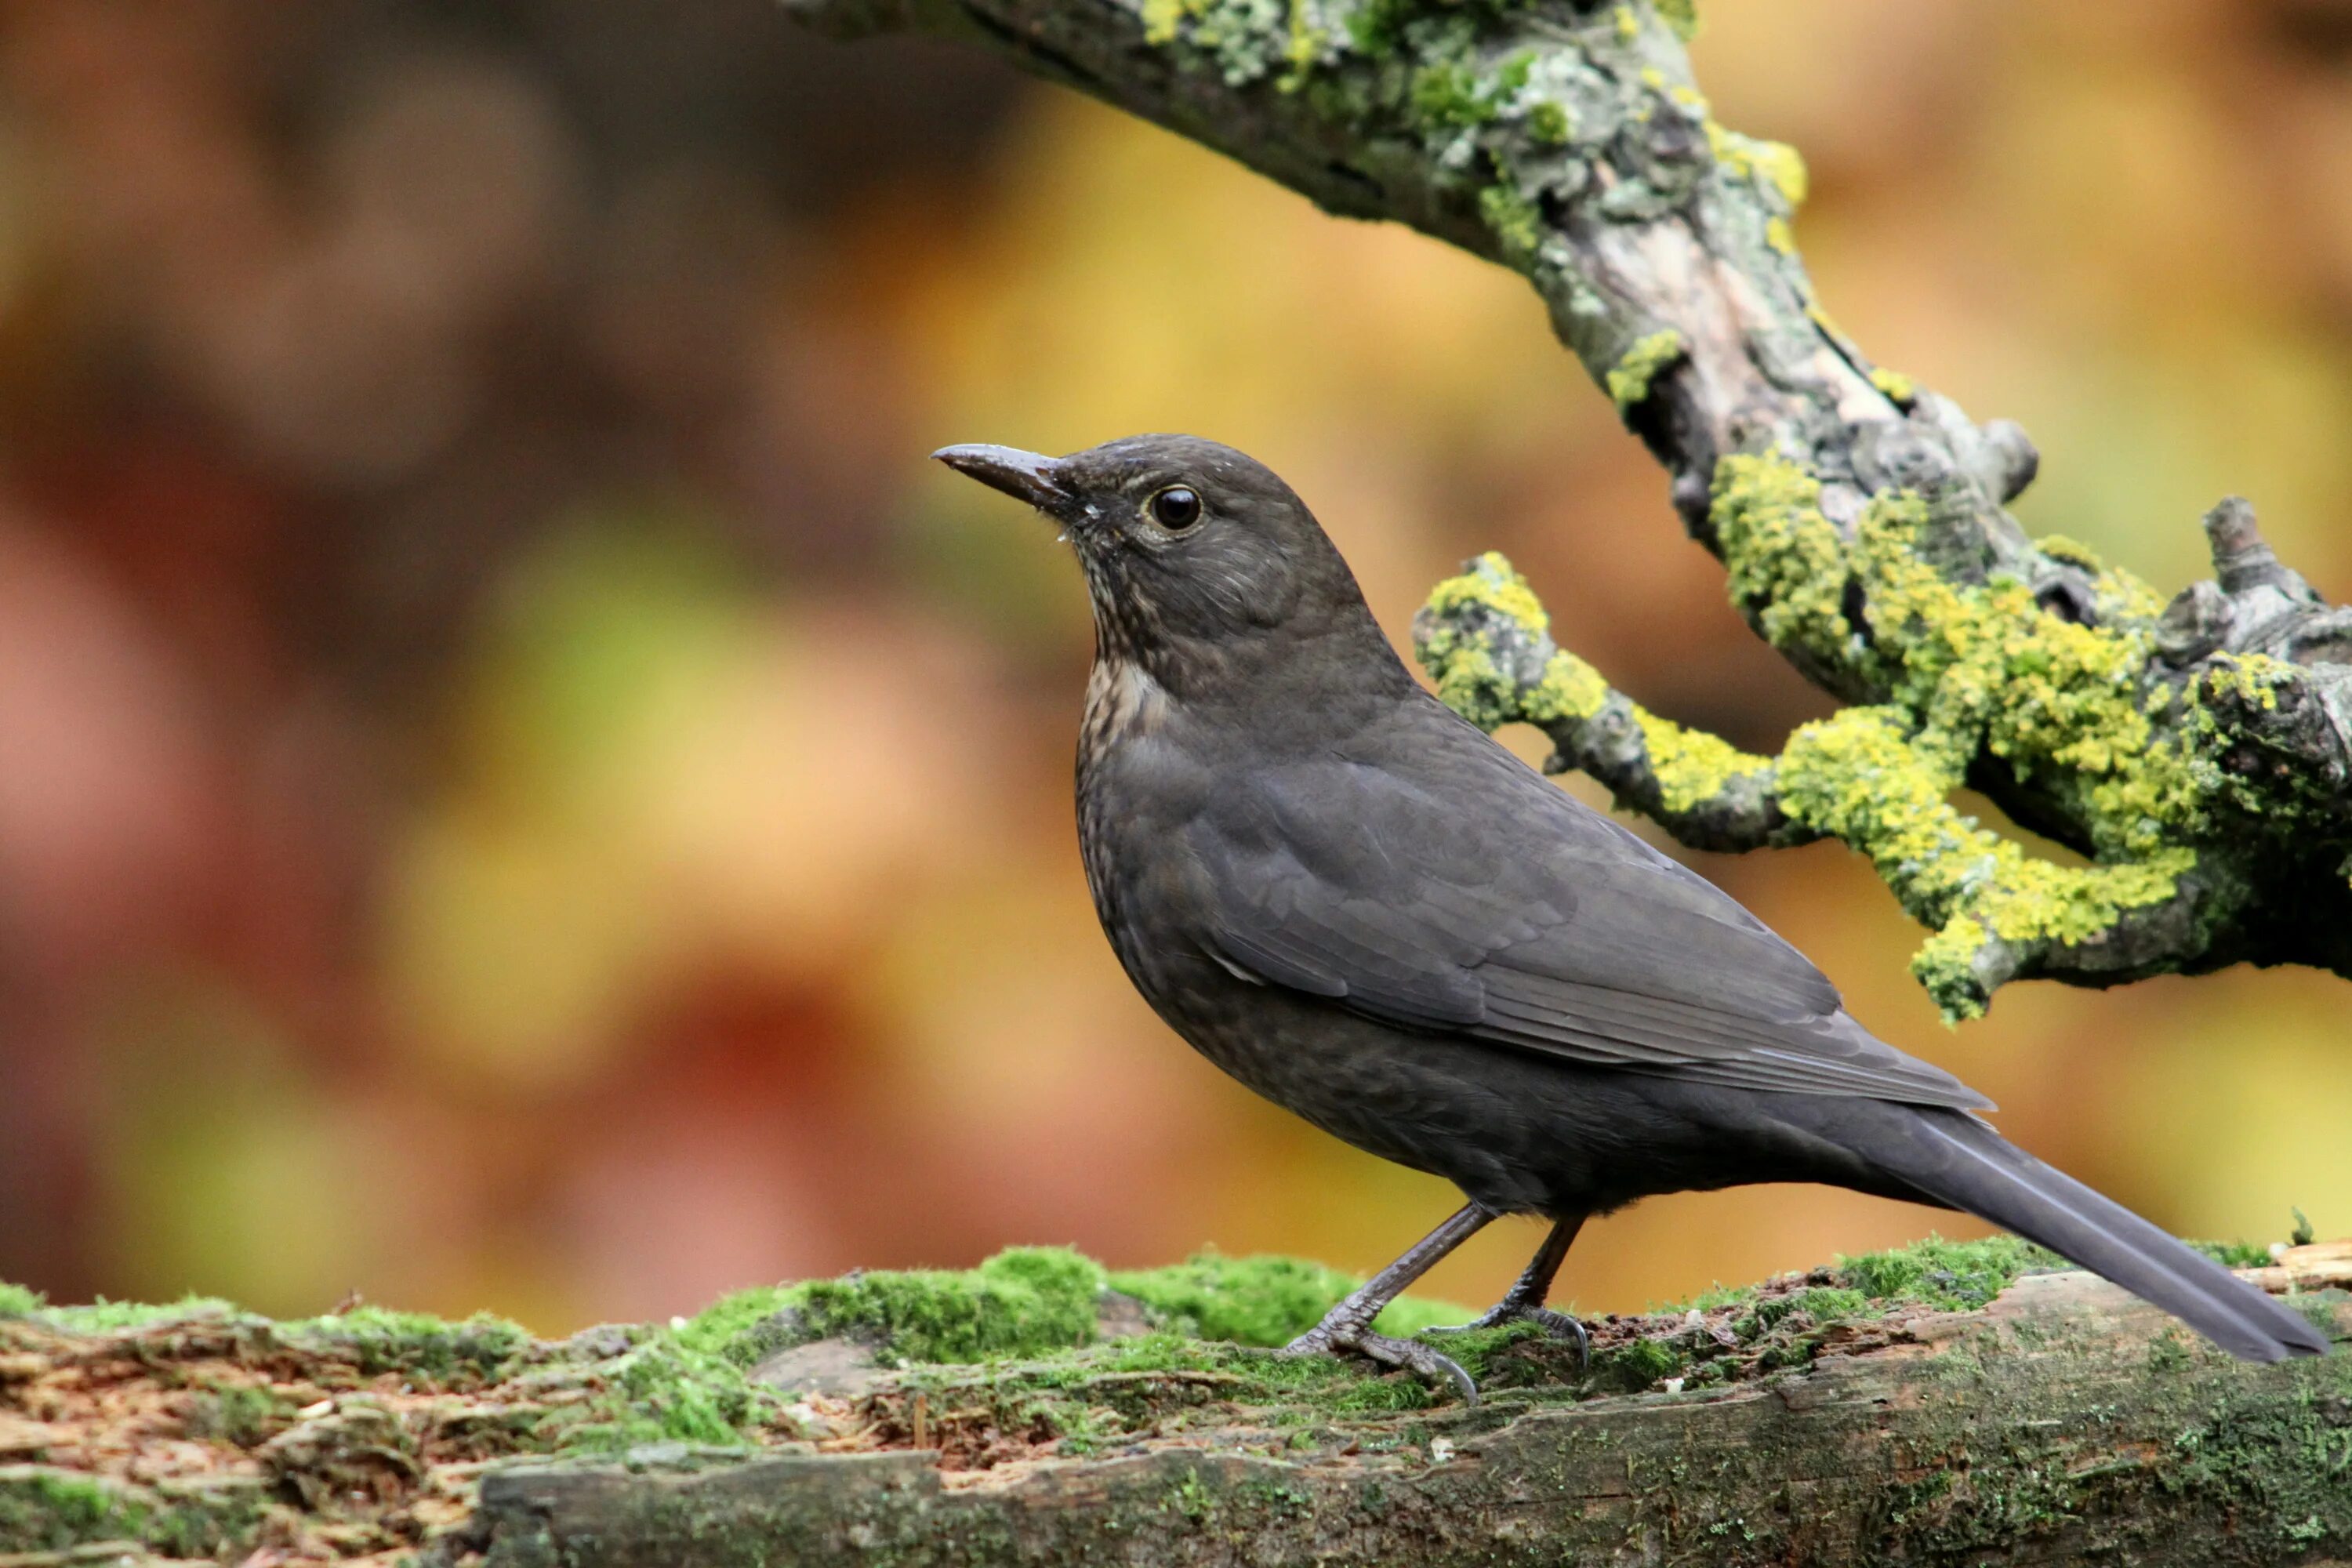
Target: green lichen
x: 1630, y: 378
x: 2252, y: 678
x: 1248, y: 40
x: 1515, y: 219
x: 1682, y: 15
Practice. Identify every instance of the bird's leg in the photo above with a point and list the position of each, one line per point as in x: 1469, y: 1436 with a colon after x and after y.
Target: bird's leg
x: 1524, y: 1303
x: 1348, y: 1325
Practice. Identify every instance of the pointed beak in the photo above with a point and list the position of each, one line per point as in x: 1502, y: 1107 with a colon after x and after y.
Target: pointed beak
x: 1025, y: 476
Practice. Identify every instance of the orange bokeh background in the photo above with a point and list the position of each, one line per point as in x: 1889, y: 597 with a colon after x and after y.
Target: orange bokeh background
x: 520, y: 788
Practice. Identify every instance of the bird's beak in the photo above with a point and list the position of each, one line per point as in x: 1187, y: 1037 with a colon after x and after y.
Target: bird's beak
x: 1025, y: 476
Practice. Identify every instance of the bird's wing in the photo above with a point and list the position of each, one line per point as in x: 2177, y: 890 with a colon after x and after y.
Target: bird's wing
x: 1457, y: 892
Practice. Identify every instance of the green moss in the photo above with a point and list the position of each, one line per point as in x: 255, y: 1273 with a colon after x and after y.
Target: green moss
x: 1024, y: 1302
x: 105, y: 1317
x: 1949, y: 1275
x: 1629, y: 379
x: 43, y: 1510
x: 663, y: 1391
x: 417, y: 1343
x: 15, y: 1301
x: 1265, y: 1301
x: 1551, y: 124
x: 2236, y: 1254
x: 243, y: 1414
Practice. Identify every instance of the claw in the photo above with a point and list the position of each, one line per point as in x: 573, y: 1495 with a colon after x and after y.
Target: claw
x: 1558, y: 1325
x: 1325, y: 1339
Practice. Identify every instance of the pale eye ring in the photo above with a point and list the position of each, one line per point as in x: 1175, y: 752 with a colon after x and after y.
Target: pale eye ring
x: 1175, y: 508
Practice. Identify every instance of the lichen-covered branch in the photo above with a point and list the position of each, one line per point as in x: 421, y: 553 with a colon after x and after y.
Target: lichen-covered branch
x: 1487, y: 641
x: 2196, y: 755
x: 1949, y: 1402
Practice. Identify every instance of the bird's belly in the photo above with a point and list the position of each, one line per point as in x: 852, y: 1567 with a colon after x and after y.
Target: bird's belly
x: 1450, y: 1108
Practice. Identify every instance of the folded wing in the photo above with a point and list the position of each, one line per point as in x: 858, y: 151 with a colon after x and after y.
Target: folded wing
x: 1527, y: 921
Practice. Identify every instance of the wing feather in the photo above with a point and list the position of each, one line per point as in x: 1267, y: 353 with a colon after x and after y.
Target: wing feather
x: 1526, y: 921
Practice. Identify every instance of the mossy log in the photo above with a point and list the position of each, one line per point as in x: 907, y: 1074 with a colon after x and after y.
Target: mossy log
x: 2196, y: 752
x: 1944, y: 1403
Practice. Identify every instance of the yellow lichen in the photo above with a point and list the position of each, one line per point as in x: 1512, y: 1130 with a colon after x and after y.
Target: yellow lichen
x: 2058, y: 547
x: 1895, y: 383
x: 1781, y: 166
x: 1786, y: 563
x: 1570, y: 688
x: 1859, y: 777
x: 1780, y: 235
x: 1629, y: 379
x: 1691, y: 766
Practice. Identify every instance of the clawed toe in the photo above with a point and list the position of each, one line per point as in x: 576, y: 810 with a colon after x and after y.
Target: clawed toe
x: 1404, y: 1354
x: 1558, y: 1325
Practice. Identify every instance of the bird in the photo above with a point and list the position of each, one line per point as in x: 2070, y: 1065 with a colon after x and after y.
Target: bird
x: 1371, y: 913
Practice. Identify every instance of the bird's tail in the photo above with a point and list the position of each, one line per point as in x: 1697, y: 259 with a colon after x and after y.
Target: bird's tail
x: 1956, y: 1160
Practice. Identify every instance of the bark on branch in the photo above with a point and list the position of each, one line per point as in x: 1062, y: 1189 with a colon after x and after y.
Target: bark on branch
x: 2198, y: 755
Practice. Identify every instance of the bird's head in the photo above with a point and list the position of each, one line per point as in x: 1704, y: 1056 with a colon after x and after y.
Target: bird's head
x: 1196, y: 555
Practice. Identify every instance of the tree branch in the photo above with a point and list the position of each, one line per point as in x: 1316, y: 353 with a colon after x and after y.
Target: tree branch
x: 2199, y: 754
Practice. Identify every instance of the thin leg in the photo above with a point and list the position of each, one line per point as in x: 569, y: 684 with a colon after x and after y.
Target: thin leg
x: 1524, y: 1303
x: 1348, y: 1325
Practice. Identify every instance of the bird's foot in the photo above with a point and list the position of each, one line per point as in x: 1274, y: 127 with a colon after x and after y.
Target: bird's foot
x: 1335, y: 1339
x: 1556, y: 1325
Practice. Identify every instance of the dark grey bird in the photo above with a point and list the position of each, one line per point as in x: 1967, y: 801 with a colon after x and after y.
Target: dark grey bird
x: 1366, y: 910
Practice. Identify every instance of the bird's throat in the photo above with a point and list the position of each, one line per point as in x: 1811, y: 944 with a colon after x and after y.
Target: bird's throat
x: 1123, y: 702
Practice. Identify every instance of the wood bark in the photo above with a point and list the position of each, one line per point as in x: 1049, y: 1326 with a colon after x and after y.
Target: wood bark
x: 2065, y: 1425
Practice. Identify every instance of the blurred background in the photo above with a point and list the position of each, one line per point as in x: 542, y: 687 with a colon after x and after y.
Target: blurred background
x: 521, y: 788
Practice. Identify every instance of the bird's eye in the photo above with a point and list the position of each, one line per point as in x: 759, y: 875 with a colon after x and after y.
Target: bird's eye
x: 1176, y: 509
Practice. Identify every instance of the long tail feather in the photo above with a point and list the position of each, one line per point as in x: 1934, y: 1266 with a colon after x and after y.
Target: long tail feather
x: 1958, y: 1161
